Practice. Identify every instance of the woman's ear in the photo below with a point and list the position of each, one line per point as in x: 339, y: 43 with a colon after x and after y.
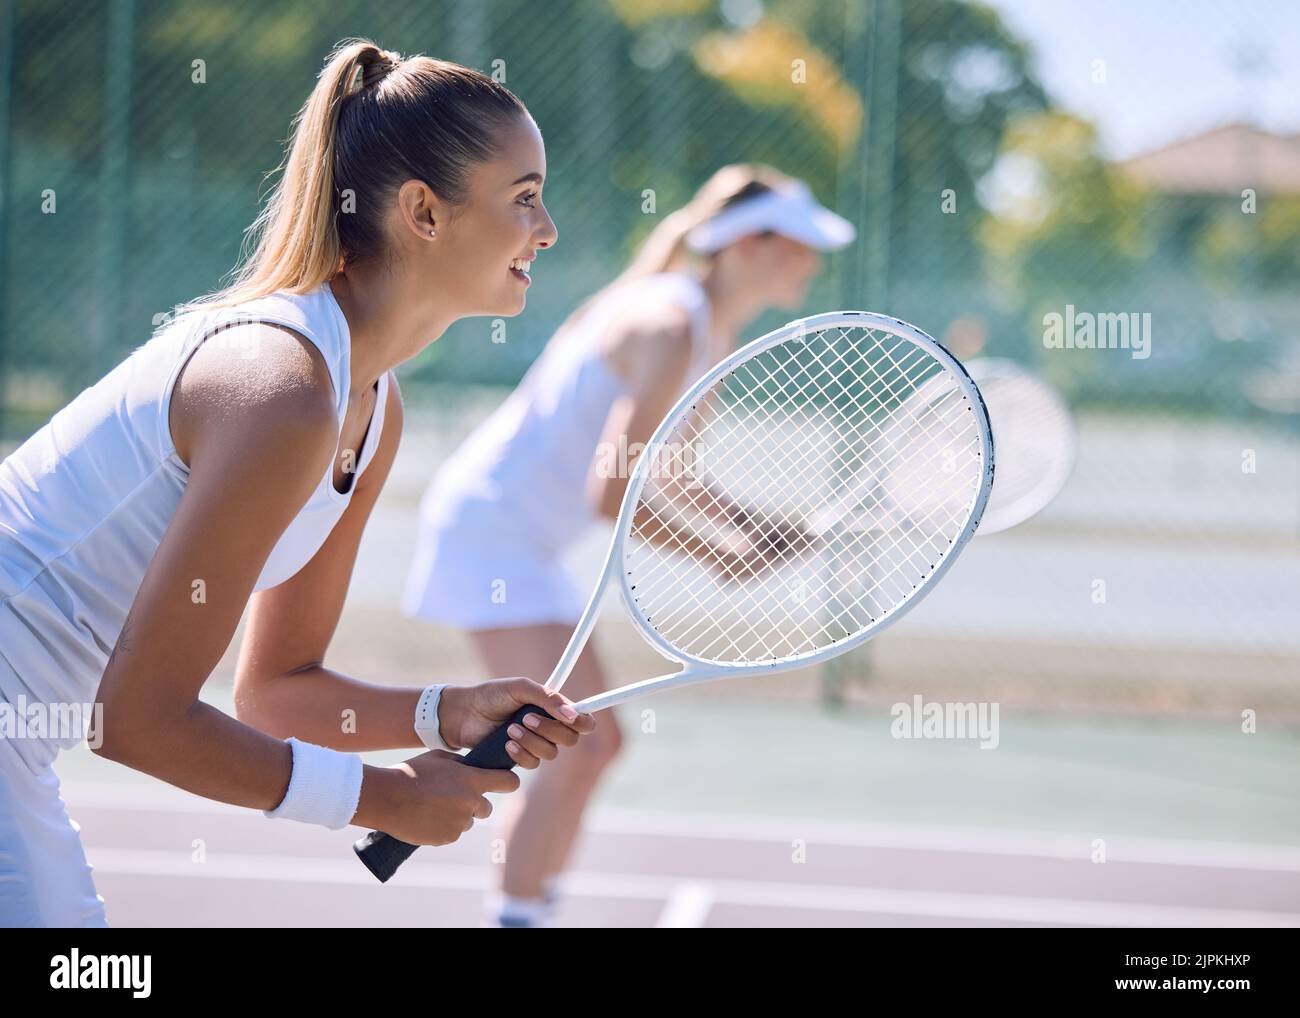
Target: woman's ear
x: 420, y: 212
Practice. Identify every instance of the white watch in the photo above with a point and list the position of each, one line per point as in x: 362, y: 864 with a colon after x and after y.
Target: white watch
x: 427, y: 726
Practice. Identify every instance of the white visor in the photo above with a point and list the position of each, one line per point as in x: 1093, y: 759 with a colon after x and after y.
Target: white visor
x: 789, y: 209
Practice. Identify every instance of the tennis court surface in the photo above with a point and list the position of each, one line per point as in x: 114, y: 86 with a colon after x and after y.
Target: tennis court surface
x: 700, y: 828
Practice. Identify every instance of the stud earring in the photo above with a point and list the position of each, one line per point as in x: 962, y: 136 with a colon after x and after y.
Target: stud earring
x: 433, y: 233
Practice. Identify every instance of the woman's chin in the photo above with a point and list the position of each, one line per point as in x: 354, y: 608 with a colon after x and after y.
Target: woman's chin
x: 507, y: 307
x: 512, y: 301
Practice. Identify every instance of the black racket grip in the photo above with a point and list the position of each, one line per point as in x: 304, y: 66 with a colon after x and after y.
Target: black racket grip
x: 383, y: 854
x: 490, y: 754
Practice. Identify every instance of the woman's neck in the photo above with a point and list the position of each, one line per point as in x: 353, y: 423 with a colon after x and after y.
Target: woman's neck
x: 731, y: 309
x: 387, y: 325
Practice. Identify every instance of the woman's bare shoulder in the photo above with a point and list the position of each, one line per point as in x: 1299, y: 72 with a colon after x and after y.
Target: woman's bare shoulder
x: 249, y: 379
x: 649, y: 343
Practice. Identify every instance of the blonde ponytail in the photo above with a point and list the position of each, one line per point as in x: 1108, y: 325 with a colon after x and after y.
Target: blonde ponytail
x: 430, y: 119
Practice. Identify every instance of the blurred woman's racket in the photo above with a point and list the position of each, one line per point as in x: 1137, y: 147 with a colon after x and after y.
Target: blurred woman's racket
x: 1032, y: 431
x: 801, y: 497
x: 1035, y: 438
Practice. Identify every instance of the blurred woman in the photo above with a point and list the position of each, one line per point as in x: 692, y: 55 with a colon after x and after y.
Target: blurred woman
x: 534, y: 477
x: 232, y: 461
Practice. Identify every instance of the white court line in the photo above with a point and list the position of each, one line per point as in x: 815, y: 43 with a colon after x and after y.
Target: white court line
x: 687, y: 907
x: 936, y: 837
x: 829, y: 898
x: 648, y: 823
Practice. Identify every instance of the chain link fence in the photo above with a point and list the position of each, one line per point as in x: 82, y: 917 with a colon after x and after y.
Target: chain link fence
x: 138, y: 135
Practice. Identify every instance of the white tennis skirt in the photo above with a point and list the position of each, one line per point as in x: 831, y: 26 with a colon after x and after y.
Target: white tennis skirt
x: 44, y: 877
x: 475, y: 581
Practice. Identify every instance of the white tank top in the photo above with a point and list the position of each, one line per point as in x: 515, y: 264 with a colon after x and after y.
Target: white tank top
x: 521, y: 477
x: 85, y: 501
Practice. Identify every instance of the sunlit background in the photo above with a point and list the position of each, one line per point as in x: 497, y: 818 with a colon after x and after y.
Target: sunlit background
x: 1003, y: 162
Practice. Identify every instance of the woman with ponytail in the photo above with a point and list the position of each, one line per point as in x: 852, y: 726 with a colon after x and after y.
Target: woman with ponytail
x: 541, y: 470
x: 231, y: 463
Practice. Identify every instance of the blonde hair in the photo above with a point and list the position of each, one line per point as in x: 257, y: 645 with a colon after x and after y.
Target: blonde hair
x: 373, y: 121
x: 664, y: 250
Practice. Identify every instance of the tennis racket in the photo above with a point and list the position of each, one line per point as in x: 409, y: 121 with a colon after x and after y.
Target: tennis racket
x: 802, y: 496
x: 1032, y: 430
x: 1035, y: 437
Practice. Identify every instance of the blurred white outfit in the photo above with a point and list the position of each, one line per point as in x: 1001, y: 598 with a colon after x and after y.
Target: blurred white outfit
x: 497, y: 516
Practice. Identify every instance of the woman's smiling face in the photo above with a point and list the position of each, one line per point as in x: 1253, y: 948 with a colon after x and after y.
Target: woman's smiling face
x: 487, y: 246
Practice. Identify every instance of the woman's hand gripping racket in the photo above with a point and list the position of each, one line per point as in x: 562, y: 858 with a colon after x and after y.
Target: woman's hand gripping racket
x: 747, y: 542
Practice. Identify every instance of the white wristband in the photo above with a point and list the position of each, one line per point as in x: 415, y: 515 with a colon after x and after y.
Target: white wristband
x: 427, y: 726
x: 324, y: 788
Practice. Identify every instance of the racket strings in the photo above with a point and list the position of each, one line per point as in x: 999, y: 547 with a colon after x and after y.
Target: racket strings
x: 896, y: 582
x: 847, y: 616
x: 783, y: 518
x: 858, y: 406
x: 916, y: 355
x: 688, y: 592
x: 916, y: 467
x: 803, y: 632
x: 865, y: 549
x: 883, y: 508
x: 855, y: 559
x: 724, y: 561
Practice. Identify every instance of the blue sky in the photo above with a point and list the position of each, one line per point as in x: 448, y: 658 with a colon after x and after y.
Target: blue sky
x: 1168, y: 64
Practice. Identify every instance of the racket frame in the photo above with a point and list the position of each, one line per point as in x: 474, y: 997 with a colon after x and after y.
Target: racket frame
x: 696, y: 669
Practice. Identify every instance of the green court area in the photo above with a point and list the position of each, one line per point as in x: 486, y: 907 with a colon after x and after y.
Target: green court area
x: 1099, y: 777
x: 723, y: 756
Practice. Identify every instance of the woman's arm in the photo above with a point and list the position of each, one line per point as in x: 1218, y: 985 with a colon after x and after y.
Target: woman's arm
x: 650, y: 352
x: 281, y: 683
x: 283, y: 687
x: 257, y: 434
